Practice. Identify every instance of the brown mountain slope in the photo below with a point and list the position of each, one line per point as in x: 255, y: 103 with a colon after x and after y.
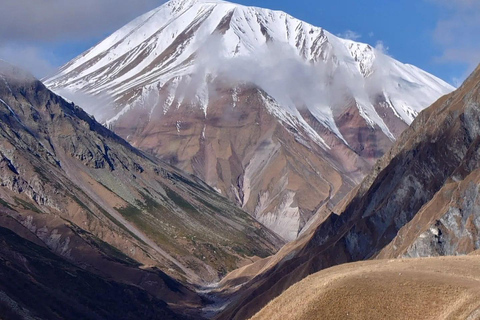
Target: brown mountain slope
x: 423, y: 288
x: 88, y: 195
x: 433, y: 165
x: 271, y: 169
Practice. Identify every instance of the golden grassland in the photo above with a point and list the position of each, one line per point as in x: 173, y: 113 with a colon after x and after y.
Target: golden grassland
x: 425, y: 288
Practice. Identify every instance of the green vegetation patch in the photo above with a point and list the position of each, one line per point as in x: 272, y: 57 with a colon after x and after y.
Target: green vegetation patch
x: 114, y: 253
x: 130, y: 212
x: 5, y: 204
x: 27, y: 205
x: 181, y: 202
x: 149, y: 203
x: 149, y: 225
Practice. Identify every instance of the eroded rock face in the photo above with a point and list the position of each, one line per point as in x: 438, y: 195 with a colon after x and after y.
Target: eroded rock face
x: 269, y: 168
x: 420, y: 200
x: 448, y: 224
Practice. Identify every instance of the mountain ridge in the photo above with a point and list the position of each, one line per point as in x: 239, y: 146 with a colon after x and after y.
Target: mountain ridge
x: 63, y: 174
x: 419, y: 200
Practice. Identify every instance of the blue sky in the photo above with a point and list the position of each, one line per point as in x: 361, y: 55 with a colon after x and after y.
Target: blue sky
x: 408, y: 28
x: 439, y: 36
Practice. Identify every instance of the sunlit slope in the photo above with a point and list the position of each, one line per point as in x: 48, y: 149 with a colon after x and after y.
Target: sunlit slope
x: 425, y: 288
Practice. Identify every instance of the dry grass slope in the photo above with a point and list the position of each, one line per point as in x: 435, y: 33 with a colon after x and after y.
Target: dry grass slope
x: 426, y: 288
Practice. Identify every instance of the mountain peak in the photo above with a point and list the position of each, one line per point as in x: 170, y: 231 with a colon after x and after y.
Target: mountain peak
x: 190, y: 66
x: 185, y: 37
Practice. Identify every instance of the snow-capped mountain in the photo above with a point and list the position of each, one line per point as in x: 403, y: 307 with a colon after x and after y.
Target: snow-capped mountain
x: 273, y: 112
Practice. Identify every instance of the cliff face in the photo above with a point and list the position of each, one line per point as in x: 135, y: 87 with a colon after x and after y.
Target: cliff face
x: 420, y: 200
x: 449, y: 223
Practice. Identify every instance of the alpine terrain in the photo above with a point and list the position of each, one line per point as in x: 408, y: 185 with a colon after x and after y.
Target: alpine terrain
x: 94, y: 227
x: 276, y: 114
x: 420, y: 200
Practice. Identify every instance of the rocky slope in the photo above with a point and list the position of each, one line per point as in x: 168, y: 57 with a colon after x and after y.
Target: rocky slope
x: 424, y: 288
x: 420, y: 200
x: 88, y: 196
x: 278, y: 115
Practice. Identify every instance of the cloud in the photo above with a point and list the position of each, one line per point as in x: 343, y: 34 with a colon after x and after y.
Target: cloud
x: 53, y: 20
x: 380, y: 46
x: 315, y: 86
x: 101, y: 106
x: 457, y: 82
x: 13, y: 73
x: 350, y: 35
x: 457, y: 32
x: 28, y: 29
x: 27, y: 57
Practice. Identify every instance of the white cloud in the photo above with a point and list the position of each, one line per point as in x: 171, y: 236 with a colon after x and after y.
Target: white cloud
x: 350, y: 35
x: 274, y: 65
x: 458, y: 32
x: 27, y: 27
x: 52, y: 20
x: 459, y: 4
x: 380, y: 46
x: 28, y: 58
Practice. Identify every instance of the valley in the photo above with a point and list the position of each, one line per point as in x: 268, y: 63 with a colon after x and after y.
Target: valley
x: 212, y: 160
